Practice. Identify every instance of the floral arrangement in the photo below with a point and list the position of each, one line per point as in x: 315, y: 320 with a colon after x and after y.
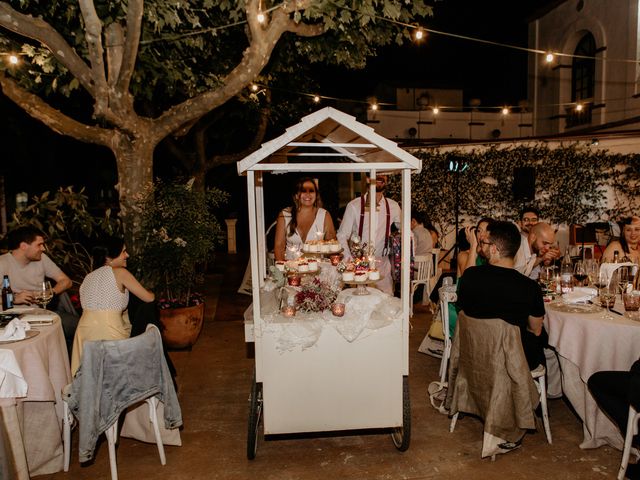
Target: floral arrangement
x: 316, y: 296
x: 358, y: 248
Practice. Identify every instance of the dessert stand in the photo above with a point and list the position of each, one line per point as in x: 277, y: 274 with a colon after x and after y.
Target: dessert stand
x: 314, y: 372
x: 361, y: 286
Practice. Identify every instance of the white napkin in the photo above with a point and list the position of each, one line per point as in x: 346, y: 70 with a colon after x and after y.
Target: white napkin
x: 12, y: 382
x: 15, y: 330
x: 40, y: 318
x: 580, y: 295
x: 607, y: 269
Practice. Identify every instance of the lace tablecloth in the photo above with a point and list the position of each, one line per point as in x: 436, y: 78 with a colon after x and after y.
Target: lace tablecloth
x: 363, y: 315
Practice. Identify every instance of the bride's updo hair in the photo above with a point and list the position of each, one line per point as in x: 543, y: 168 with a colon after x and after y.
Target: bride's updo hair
x: 109, y: 247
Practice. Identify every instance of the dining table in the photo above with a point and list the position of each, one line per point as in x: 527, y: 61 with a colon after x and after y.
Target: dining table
x: 588, y: 339
x: 32, y: 422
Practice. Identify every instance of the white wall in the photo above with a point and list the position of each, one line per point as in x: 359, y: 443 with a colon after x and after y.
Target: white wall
x: 614, y: 24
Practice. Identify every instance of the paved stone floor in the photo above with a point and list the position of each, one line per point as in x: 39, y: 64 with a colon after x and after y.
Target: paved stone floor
x: 214, y: 380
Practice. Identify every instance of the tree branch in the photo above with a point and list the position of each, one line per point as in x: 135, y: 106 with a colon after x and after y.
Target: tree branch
x: 54, y: 119
x: 114, y: 41
x: 135, y: 10
x: 254, y: 59
x: 93, y: 36
x: 39, y: 30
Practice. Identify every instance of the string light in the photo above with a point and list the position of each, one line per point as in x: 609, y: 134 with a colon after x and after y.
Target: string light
x: 579, y: 107
x: 549, y: 57
x: 505, y: 111
x: 260, y: 17
x: 419, y: 34
x: 436, y: 110
x: 374, y: 106
x: 254, y: 87
x: 13, y: 59
x: 316, y: 99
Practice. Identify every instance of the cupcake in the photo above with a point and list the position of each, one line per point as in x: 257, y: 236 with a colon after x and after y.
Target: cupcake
x: 334, y: 246
x: 347, y: 276
x: 280, y: 265
x: 313, y: 265
x: 303, y: 266
x: 374, y: 274
x: 314, y: 247
x: 361, y: 276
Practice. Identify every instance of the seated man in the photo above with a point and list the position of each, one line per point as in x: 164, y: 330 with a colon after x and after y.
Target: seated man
x: 614, y: 391
x: 27, y: 266
x: 497, y: 290
x: 423, y: 242
x: 538, y: 249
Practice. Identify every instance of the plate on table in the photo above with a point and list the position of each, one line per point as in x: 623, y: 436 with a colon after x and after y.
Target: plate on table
x: 28, y: 334
x: 575, y: 307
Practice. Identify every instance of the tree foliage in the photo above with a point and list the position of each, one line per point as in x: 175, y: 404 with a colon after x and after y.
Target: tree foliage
x: 144, y: 70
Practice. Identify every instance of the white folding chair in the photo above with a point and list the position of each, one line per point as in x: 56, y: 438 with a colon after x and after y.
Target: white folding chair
x: 145, y: 350
x: 632, y: 429
x: 447, y: 295
x: 539, y: 379
x: 423, y: 266
x: 112, y: 436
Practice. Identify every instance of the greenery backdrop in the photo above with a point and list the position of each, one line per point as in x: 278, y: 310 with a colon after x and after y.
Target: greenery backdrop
x: 570, y: 183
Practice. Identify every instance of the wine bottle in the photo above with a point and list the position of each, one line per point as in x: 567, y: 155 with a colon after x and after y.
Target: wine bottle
x: 7, y: 294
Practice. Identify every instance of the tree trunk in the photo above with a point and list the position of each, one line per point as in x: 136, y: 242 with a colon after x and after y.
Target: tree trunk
x: 135, y: 173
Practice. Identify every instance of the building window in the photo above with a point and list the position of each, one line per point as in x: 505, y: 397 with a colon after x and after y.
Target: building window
x: 583, y: 79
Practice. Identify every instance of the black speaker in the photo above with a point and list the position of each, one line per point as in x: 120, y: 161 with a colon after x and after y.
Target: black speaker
x: 524, y: 183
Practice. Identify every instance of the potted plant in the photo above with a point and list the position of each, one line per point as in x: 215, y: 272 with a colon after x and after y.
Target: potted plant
x: 178, y: 235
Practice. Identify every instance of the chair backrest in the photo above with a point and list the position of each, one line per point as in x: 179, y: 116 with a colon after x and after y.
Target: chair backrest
x: 422, y: 266
x: 115, y: 374
x: 490, y: 375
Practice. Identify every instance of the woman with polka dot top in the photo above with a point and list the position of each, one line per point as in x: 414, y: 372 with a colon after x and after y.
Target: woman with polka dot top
x: 104, y: 295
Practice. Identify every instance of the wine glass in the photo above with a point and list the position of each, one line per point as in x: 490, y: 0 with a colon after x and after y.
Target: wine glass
x: 622, y: 278
x: 606, y: 294
x: 593, y: 270
x: 580, y: 272
x: 44, y: 295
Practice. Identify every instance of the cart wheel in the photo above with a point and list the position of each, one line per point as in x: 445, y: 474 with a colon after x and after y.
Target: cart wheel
x: 401, y: 436
x: 255, y: 412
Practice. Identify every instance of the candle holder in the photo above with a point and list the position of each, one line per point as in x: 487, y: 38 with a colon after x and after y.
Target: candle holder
x: 288, y: 311
x: 294, y: 280
x: 337, y: 309
x: 335, y: 258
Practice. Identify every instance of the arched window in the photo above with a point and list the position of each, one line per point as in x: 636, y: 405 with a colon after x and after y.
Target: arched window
x: 583, y: 70
x: 583, y: 81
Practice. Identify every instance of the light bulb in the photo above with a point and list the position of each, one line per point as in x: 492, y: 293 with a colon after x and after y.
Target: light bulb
x: 436, y: 110
x: 254, y: 87
x: 374, y: 106
x: 316, y: 99
x: 579, y: 107
x: 260, y: 17
x: 505, y: 111
x: 13, y: 60
x: 419, y: 34
x: 549, y: 57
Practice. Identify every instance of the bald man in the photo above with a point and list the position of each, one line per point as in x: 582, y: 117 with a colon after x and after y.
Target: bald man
x: 539, y: 249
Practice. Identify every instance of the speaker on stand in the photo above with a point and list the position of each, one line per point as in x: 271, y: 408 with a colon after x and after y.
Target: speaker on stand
x: 524, y: 184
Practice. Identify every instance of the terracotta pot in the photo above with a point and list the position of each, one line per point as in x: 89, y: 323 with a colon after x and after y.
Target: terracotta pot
x: 181, y: 326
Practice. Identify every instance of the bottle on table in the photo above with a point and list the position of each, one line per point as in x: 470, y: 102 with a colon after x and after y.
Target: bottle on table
x: 566, y: 272
x: 7, y: 294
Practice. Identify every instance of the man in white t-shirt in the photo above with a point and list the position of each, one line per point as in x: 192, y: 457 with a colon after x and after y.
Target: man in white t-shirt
x: 356, y: 222
x: 27, y: 266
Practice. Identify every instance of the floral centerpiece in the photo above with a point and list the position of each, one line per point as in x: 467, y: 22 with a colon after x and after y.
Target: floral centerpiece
x: 179, y: 233
x: 316, y: 296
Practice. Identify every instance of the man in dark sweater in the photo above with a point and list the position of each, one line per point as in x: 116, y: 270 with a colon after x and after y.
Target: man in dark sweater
x: 497, y: 290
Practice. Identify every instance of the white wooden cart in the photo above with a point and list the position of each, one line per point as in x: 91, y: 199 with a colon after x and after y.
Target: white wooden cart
x: 336, y: 385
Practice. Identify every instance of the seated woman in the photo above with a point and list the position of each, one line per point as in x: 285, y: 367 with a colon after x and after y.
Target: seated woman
x: 629, y: 243
x: 304, y: 220
x: 104, y: 295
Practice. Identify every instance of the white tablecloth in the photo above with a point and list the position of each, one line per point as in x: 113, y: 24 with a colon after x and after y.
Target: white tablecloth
x: 587, y: 343
x: 34, y: 423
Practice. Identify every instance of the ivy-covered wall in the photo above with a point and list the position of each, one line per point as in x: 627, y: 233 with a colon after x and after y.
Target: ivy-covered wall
x: 573, y: 184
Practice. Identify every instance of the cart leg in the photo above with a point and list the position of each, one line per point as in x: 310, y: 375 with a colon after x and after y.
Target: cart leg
x: 401, y: 436
x: 255, y: 412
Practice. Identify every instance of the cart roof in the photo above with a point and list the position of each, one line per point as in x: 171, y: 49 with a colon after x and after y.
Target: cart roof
x: 329, y: 140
